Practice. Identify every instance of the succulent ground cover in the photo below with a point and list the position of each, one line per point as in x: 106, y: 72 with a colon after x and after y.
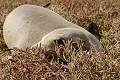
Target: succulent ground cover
x: 27, y: 65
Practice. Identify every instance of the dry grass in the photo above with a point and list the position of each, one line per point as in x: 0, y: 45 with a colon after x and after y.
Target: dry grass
x: 27, y: 66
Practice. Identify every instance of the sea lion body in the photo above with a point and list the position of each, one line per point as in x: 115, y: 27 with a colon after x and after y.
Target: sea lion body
x: 28, y: 25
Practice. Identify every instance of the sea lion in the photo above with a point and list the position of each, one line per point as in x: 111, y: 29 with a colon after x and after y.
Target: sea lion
x: 28, y: 25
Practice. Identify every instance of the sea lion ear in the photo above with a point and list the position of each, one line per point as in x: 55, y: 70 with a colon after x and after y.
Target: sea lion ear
x: 93, y: 29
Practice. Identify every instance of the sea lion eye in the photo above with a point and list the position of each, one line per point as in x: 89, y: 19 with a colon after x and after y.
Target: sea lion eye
x: 84, y: 41
x: 59, y: 42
